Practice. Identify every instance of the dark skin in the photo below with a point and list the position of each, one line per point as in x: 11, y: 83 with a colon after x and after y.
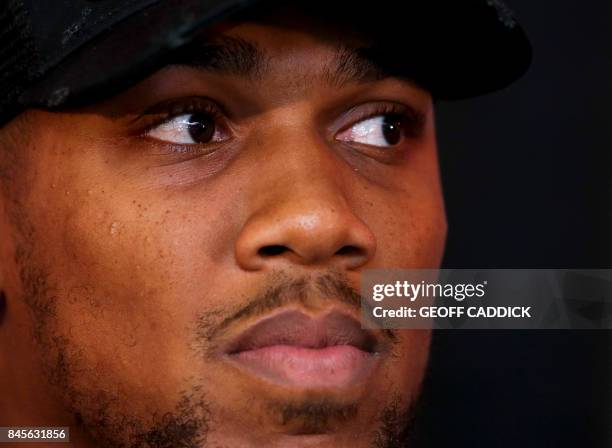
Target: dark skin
x: 138, y: 244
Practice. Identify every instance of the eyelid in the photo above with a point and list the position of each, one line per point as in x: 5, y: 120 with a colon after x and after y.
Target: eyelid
x: 414, y: 119
x: 362, y: 112
x: 166, y: 111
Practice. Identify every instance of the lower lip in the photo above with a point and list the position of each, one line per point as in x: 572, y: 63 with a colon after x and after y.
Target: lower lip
x: 328, y: 367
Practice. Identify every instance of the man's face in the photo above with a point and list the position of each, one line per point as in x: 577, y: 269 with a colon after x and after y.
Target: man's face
x: 184, y: 257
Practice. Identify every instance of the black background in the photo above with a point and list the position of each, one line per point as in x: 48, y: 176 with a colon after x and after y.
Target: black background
x: 526, y: 174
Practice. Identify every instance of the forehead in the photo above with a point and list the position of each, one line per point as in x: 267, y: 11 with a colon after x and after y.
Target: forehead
x: 290, y: 49
x: 275, y: 59
x: 258, y: 51
x: 297, y: 19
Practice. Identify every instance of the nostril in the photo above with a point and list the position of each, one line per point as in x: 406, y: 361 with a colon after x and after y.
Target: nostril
x: 270, y: 251
x: 349, y: 251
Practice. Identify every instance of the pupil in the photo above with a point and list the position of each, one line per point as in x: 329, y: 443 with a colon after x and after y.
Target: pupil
x: 392, y: 129
x: 201, y: 128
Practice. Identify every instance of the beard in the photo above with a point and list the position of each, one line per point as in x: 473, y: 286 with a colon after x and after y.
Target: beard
x: 104, y: 417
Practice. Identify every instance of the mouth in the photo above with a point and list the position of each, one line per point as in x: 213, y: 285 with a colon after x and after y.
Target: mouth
x: 300, y: 351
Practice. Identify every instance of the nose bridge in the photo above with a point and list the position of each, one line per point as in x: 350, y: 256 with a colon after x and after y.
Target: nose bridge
x: 300, y: 212
x: 302, y: 171
x: 311, y: 182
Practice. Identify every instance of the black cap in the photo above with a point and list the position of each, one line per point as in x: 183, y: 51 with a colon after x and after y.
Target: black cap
x: 66, y: 52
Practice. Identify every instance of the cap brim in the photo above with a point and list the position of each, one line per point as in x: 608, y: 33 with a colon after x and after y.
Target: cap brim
x: 454, y: 48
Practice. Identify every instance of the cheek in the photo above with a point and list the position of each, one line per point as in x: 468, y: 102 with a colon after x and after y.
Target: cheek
x: 404, y: 374
x: 410, y: 228
x: 141, y: 243
x: 129, y: 271
x: 416, y: 358
x: 412, y: 358
x: 405, y: 209
x: 140, y: 255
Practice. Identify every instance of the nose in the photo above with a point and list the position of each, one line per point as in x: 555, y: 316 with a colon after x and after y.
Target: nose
x: 305, y: 232
x: 304, y: 219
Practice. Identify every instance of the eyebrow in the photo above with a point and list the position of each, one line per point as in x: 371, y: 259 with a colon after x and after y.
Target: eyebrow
x: 235, y: 56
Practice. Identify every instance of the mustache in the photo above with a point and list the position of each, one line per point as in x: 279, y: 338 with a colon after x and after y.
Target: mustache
x: 283, y: 290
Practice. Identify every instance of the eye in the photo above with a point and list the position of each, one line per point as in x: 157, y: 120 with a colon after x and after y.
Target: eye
x: 189, y: 129
x: 381, y: 130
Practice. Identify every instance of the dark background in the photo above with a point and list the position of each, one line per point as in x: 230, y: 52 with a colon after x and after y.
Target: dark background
x: 527, y: 176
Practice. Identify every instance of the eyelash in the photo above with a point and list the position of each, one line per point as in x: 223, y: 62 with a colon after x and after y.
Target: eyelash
x: 167, y: 111
x: 412, y: 121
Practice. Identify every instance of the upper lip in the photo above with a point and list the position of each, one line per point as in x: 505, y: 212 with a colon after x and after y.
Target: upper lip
x: 296, y: 328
